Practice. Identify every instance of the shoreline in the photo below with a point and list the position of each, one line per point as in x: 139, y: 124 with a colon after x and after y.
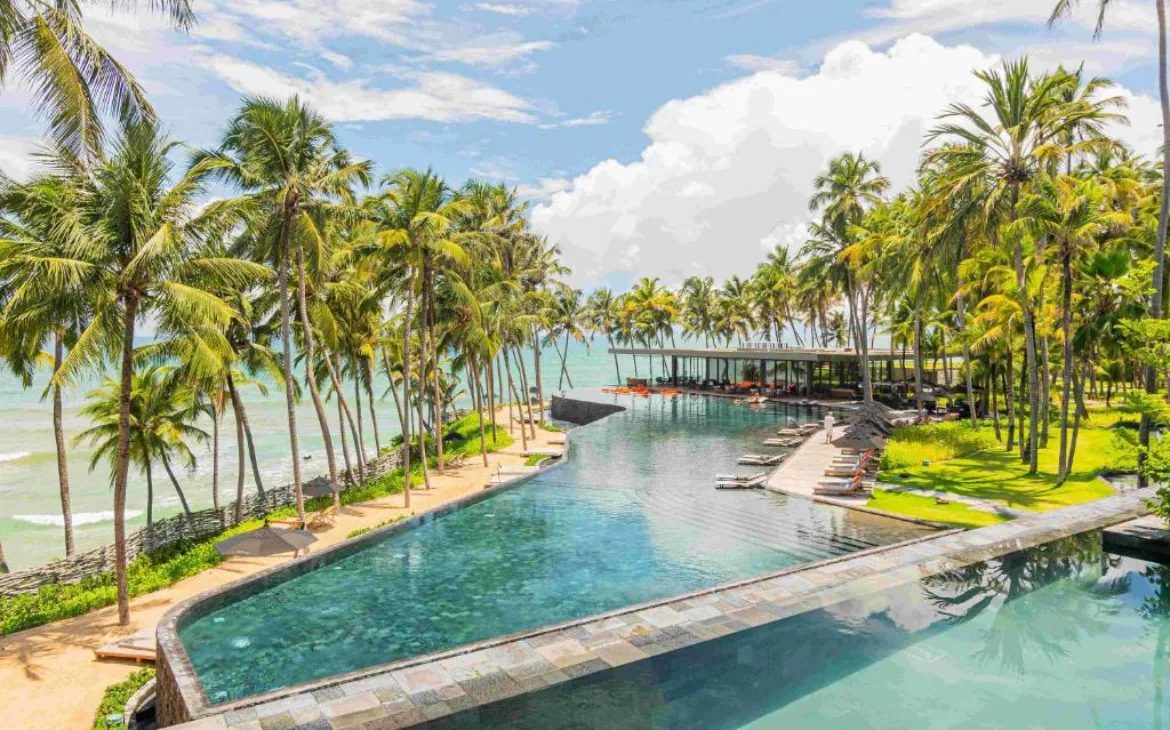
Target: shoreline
x: 36, y: 664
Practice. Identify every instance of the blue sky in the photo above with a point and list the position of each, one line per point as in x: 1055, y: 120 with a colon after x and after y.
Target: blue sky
x: 660, y: 137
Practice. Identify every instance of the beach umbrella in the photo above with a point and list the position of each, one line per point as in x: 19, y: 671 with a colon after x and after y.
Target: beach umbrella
x: 860, y: 440
x: 265, y: 541
x: 321, y: 489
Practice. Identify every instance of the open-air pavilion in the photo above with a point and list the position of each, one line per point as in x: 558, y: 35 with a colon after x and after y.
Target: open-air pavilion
x: 799, y: 371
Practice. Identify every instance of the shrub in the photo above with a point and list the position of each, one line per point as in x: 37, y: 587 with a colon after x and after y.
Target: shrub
x: 116, y: 697
x: 910, y: 445
x: 363, y: 530
x: 535, y: 460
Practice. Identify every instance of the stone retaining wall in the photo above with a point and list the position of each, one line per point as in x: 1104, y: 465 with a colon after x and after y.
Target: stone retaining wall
x: 164, y: 532
x: 581, y: 412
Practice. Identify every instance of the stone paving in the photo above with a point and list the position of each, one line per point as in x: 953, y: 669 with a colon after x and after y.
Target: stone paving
x: 419, y: 691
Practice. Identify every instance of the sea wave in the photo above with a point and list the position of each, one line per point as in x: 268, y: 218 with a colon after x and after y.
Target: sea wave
x: 79, y: 518
x: 14, y: 456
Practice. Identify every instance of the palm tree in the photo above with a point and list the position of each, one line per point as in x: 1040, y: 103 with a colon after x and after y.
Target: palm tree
x: 142, y: 257
x: 601, y: 313
x: 162, y: 413
x: 997, y: 153
x: 1072, y: 213
x: 850, y: 187
x: 285, y: 159
x: 37, y: 230
x: 75, y: 81
x: 1062, y: 9
x: 565, y: 315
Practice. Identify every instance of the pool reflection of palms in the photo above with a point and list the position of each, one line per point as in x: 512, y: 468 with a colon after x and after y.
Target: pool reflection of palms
x: 1062, y: 579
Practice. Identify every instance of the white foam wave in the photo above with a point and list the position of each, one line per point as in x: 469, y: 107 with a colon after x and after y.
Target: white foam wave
x: 14, y: 456
x: 79, y: 518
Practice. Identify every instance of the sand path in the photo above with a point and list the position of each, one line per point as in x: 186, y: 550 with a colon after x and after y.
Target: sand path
x: 49, y: 677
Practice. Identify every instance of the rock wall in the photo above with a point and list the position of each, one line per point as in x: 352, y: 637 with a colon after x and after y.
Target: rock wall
x: 581, y: 412
x: 172, y: 529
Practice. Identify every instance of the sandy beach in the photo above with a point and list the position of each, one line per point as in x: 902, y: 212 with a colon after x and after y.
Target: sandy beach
x: 49, y: 677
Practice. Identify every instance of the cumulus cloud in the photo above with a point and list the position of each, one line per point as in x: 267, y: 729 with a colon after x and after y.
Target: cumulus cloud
x: 543, y: 189
x: 17, y: 156
x: 434, y: 96
x: 729, y: 172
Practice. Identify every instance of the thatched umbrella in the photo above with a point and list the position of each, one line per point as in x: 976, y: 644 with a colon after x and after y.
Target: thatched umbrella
x: 265, y: 541
x: 860, y: 440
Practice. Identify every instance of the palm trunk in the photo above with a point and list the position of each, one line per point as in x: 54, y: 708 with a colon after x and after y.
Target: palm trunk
x: 429, y: 318
x: 917, y: 360
x: 360, y: 446
x: 1067, y: 365
x: 1156, y: 298
x: 962, y: 322
x: 286, y: 344
x: 349, y: 472
x: 59, y: 438
x: 406, y: 394
x: 368, y: 378
x: 616, y: 367
x: 536, y: 365
x: 1032, y: 367
x: 122, y: 463
x: 3, y: 561
x: 422, y: 386
x: 334, y: 378
x: 241, y: 464
x: 242, y: 413
x: 565, y: 365
x: 215, y: 458
x: 531, y: 421
x: 1010, y: 395
x: 491, y: 396
x: 477, y: 396
x: 149, y: 492
x: 311, y: 370
x: 1044, y: 396
x: 1078, y: 390
x: 511, y: 393
x: 994, y: 400
x: 175, y: 482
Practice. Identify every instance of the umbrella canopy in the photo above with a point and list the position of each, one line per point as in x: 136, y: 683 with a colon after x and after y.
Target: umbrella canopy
x: 321, y: 489
x: 265, y: 541
x: 860, y: 440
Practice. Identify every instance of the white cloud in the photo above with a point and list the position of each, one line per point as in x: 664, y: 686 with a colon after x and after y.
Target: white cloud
x: 435, y: 96
x: 339, y: 60
x: 504, y: 9
x: 752, y: 62
x: 543, y: 188
x: 729, y: 172
x: 939, y: 16
x: 16, y: 156
x: 593, y: 119
x: 490, y: 55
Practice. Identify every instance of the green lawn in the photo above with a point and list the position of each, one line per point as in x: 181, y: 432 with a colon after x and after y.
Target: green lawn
x: 998, y: 475
x: 927, y: 508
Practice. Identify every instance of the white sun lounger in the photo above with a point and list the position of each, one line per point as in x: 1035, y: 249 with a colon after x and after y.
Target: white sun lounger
x: 139, y: 647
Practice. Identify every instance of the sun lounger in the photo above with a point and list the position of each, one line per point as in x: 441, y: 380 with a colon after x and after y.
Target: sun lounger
x: 809, y: 428
x: 842, y: 470
x: 787, y: 443
x: 840, y: 487
x: 761, y: 459
x: 139, y: 647
x: 544, y: 451
x: 558, y: 440
x: 518, y: 469
x: 722, y: 482
x: 790, y: 432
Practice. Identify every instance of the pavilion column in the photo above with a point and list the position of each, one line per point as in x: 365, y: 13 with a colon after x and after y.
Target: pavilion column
x: 674, y: 369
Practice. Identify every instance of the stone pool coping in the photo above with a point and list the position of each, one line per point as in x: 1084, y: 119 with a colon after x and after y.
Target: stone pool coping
x: 423, y: 689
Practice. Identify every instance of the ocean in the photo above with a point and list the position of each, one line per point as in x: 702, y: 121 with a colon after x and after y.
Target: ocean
x: 30, y: 505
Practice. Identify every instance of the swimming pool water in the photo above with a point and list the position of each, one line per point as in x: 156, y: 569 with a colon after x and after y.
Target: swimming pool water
x: 633, y: 516
x: 1064, y: 636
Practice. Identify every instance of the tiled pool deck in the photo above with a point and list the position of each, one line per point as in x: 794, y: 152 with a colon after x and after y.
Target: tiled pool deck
x: 413, y: 692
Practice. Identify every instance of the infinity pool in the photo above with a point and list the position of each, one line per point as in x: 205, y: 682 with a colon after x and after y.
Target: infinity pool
x: 633, y: 516
x: 1064, y: 636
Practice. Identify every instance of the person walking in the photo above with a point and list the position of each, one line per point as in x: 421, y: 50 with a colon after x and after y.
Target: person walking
x: 829, y: 423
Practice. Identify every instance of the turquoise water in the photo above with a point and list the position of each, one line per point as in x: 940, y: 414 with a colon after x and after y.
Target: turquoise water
x: 30, y: 507
x: 633, y: 516
x: 1065, y: 636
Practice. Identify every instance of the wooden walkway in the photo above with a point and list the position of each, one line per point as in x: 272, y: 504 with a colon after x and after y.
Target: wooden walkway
x: 800, y: 472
